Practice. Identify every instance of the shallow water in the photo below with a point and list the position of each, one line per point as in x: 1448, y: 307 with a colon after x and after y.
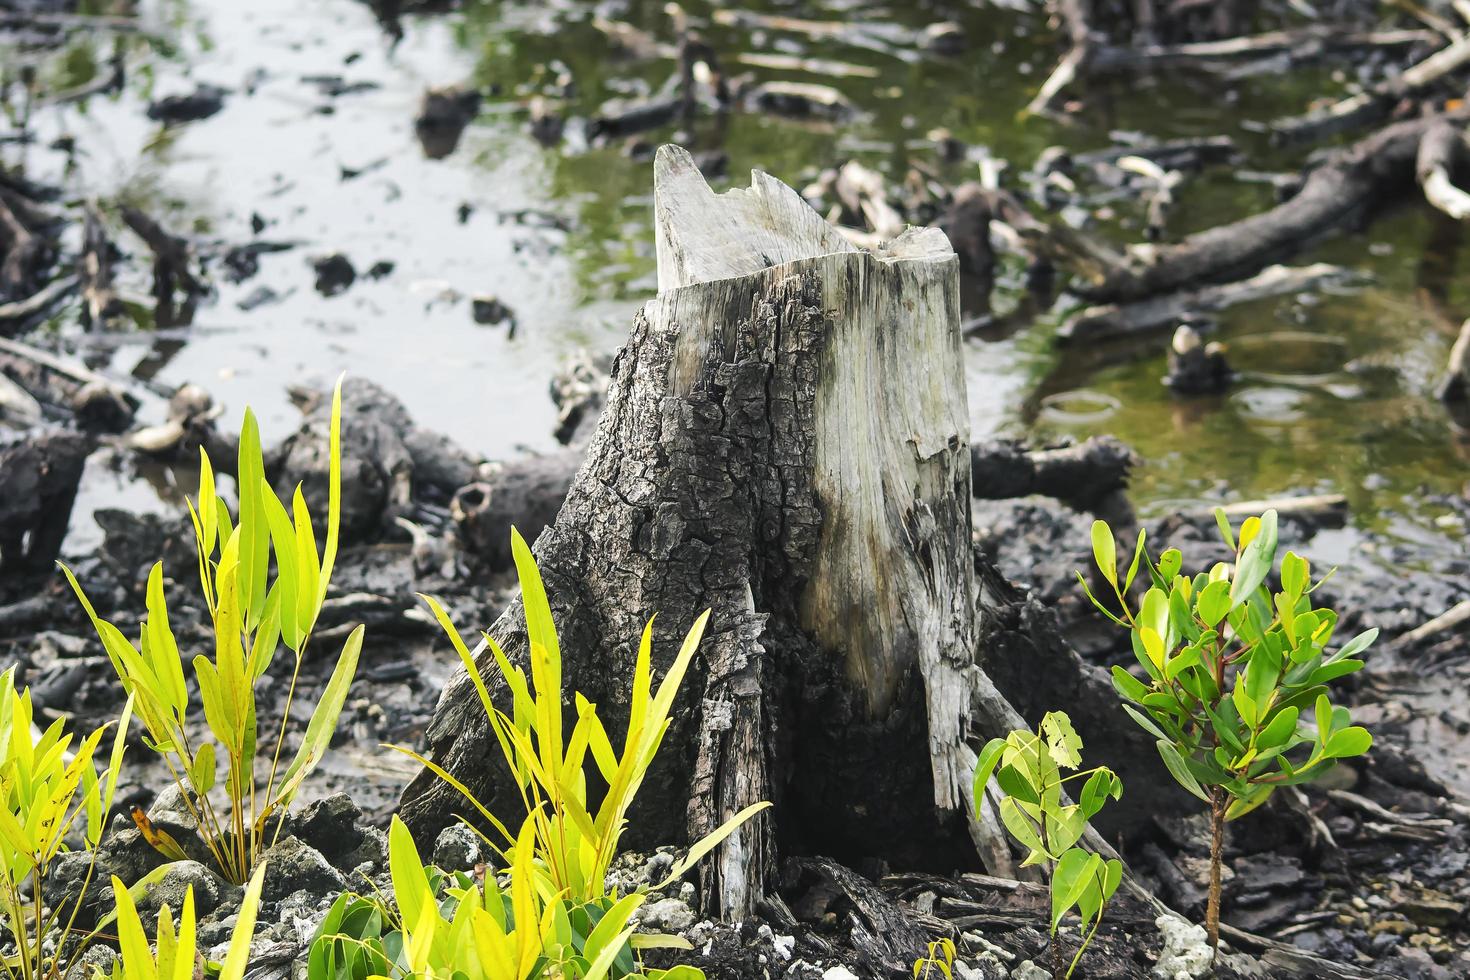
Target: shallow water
x: 1335, y: 393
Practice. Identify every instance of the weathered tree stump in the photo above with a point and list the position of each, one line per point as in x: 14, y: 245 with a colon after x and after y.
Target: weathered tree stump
x: 785, y: 441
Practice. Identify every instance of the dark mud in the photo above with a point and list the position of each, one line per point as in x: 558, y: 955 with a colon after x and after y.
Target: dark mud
x: 248, y: 198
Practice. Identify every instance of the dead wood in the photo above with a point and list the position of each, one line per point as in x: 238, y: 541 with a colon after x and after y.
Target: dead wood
x: 172, y: 258
x: 17, y: 314
x: 1161, y: 312
x: 1455, y: 388
x: 1374, y: 104
x: 1339, y: 192
x: 100, y: 303
x: 1082, y: 475
x: 38, y: 483
x: 740, y: 465
x: 1440, y: 153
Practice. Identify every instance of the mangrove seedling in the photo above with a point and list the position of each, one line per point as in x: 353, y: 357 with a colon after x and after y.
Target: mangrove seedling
x: 1236, y: 675
x: 937, y: 961
x: 252, y: 615
x: 1028, y: 767
x: 574, y: 844
x: 49, y: 789
x: 175, y: 952
x: 504, y: 928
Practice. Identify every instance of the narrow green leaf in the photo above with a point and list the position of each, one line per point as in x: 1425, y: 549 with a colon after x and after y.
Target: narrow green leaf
x: 1104, y: 551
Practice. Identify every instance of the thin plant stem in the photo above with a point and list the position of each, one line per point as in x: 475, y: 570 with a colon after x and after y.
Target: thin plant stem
x: 1087, y: 941
x: 1217, y: 839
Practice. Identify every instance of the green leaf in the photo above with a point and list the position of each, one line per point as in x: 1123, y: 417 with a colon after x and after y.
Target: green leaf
x: 1255, y: 562
x: 1242, y: 805
x: 1223, y: 523
x: 1087, y: 591
x: 238, y: 957
x: 1128, y: 685
x: 323, y: 719
x: 1169, y: 563
x: 1144, y: 722
x: 254, y: 526
x: 1323, y: 717
x: 1177, y: 768
x: 1075, y: 868
x: 1063, y: 743
x: 1104, y: 551
x: 1332, y: 671
x: 410, y: 883
x: 1015, y: 784
x: 1295, y: 574
x: 1278, y: 730
x: 1137, y: 558
x: 1356, y: 645
x: 1095, y: 792
x: 1348, y: 742
x: 203, y: 771
x: 985, y: 767
x: 1213, y: 602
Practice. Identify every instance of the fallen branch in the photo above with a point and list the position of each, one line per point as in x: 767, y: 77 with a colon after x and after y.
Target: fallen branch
x: 1079, y: 475
x: 1439, y: 152
x: 1374, y: 103
x: 1341, y: 190
x: 1451, y: 620
x: 1320, y: 507
x: 23, y: 309
x: 1127, y: 319
x: 1455, y: 388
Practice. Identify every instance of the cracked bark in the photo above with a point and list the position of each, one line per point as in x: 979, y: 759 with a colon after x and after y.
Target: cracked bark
x: 785, y: 441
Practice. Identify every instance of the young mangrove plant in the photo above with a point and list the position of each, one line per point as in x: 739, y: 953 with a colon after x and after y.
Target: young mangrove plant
x: 52, y: 792
x: 1236, y: 692
x: 175, y: 953
x: 450, y: 926
x: 574, y: 845
x: 252, y: 615
x: 1028, y: 767
x: 938, y: 960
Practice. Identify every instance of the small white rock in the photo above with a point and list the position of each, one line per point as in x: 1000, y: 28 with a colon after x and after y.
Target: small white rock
x: 1027, y: 970
x: 1186, y: 954
x: 839, y: 973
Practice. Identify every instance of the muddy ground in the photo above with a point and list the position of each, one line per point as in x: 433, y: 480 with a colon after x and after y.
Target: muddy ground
x: 451, y: 205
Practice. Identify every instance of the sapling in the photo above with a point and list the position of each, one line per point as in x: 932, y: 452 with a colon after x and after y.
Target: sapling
x: 1236, y: 691
x: 252, y: 613
x: 1028, y: 766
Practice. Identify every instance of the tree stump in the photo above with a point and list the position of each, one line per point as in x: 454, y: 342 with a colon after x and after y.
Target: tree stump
x: 785, y: 441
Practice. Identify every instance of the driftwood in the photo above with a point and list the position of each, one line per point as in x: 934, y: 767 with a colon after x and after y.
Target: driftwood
x: 776, y: 434
x: 172, y: 258
x: 100, y: 303
x: 527, y: 493
x: 1083, y: 475
x: 1374, y: 103
x: 1339, y: 192
x: 1158, y: 313
x: 1326, y: 509
x: 22, y: 310
x: 38, y: 483
x: 1455, y: 388
x: 1451, y: 620
x: 1439, y: 152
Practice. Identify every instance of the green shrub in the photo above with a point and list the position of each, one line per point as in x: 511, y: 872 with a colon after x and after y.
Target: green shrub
x: 252, y: 615
x: 1237, y: 694
x: 46, y: 797
x: 1028, y: 767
